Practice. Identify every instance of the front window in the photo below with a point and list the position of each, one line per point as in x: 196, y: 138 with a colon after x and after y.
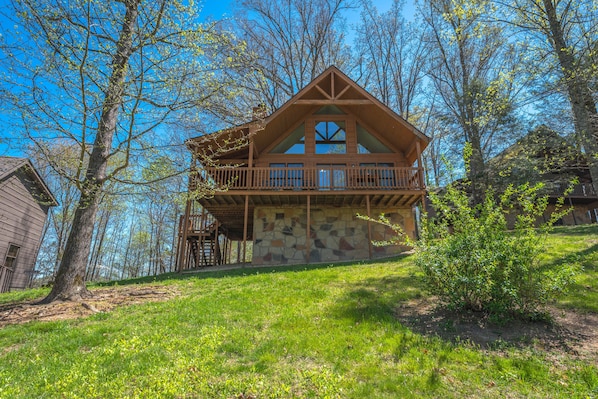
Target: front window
x: 331, y: 137
x: 377, y: 174
x: 286, y: 175
x: 331, y: 176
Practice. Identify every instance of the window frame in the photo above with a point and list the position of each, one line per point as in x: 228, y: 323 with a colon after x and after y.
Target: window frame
x: 13, y: 258
x: 327, y: 139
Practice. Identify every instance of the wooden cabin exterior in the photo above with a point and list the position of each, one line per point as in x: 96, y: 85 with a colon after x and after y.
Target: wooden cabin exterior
x: 291, y: 183
x: 24, y: 203
x: 543, y: 156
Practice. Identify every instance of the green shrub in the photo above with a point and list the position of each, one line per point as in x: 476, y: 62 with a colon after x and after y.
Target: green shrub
x: 472, y: 261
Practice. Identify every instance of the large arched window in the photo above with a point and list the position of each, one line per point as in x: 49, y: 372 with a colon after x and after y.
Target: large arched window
x: 331, y: 137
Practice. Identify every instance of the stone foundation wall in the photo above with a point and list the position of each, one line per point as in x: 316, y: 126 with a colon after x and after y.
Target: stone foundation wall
x: 336, y: 234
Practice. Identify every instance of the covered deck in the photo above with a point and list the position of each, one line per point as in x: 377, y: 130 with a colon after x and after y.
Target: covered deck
x: 230, y: 194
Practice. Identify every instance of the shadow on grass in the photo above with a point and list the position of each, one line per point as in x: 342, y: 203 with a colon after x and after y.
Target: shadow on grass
x: 401, y: 299
x: 375, y: 300
x: 236, y: 271
x: 577, y: 257
x: 565, y: 332
x: 583, y: 230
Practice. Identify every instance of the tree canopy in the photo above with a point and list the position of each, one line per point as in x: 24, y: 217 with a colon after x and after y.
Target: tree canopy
x: 103, y: 96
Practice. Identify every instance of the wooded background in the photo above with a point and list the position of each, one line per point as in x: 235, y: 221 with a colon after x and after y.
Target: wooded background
x: 481, y: 72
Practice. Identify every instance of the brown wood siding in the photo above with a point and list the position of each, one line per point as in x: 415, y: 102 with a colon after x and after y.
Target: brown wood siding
x: 311, y: 159
x: 22, y: 221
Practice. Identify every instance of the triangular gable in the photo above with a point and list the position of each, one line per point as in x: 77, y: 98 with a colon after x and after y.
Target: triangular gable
x: 9, y: 165
x: 332, y: 87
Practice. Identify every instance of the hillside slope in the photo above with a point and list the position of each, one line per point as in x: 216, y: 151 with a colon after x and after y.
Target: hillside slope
x: 347, y: 331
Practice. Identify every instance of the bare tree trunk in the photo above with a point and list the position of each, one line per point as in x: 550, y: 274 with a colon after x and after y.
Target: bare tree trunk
x: 128, y: 250
x: 174, y: 238
x: 580, y: 96
x: 70, y: 280
x: 477, y: 169
x: 99, y: 245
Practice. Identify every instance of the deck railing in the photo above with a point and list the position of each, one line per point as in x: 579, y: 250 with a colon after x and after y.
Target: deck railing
x: 579, y: 190
x: 198, y: 223
x: 313, y: 178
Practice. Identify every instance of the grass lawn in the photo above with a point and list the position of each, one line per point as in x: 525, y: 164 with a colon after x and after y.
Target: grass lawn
x: 294, y: 332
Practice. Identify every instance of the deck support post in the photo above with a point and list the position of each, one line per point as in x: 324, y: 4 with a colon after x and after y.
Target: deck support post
x: 572, y: 212
x: 367, y: 204
x: 217, y: 255
x: 183, y: 238
x: 308, y: 231
x: 420, y: 170
x: 249, y: 177
x: 245, y: 223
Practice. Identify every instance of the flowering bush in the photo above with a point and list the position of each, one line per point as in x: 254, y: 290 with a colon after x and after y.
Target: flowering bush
x: 471, y: 260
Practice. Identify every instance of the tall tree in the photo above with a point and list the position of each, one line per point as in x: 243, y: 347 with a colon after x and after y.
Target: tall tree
x: 104, y: 76
x: 390, y: 55
x: 290, y: 43
x: 473, y: 69
x: 64, y: 157
x: 563, y: 34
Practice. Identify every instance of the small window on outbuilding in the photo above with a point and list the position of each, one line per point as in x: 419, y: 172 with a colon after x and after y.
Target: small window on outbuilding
x: 11, y: 256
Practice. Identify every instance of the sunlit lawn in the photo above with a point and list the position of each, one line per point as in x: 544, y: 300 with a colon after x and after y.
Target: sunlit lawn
x: 313, y: 332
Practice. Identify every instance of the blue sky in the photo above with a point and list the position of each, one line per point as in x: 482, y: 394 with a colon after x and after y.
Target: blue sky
x: 212, y: 9
x: 219, y: 8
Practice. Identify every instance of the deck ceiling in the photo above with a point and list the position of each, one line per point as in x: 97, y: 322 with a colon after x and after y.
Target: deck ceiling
x: 229, y: 208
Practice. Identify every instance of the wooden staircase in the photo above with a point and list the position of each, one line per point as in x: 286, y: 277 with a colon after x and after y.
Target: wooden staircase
x: 205, y: 248
x: 199, y: 242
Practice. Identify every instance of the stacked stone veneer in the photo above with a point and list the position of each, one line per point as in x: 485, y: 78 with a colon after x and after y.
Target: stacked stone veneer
x: 336, y: 234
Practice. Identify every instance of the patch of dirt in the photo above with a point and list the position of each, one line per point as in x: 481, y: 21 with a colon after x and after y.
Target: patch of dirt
x: 569, y: 332
x: 102, y: 300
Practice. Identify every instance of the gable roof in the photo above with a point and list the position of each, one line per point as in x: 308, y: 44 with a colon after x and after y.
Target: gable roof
x: 9, y: 165
x: 332, y: 87
x: 540, y: 156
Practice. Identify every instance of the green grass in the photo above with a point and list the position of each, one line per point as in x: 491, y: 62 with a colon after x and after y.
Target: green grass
x: 579, y: 246
x: 292, y: 332
x: 26, y: 295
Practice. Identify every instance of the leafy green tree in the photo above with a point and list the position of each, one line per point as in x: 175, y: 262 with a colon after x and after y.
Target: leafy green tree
x: 106, y: 78
x: 561, y: 38
x: 474, y: 73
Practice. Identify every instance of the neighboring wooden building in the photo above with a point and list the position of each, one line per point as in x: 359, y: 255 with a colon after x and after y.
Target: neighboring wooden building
x: 24, y: 203
x: 292, y: 182
x: 544, y: 156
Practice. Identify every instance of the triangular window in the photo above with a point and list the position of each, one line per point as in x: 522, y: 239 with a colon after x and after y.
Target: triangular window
x: 368, y: 144
x: 293, y: 144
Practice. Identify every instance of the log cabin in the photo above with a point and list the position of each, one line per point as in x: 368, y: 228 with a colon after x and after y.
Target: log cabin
x: 290, y: 184
x: 24, y: 203
x: 544, y: 156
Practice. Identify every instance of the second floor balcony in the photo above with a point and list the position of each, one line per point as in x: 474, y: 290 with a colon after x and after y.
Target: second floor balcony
x: 297, y: 178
